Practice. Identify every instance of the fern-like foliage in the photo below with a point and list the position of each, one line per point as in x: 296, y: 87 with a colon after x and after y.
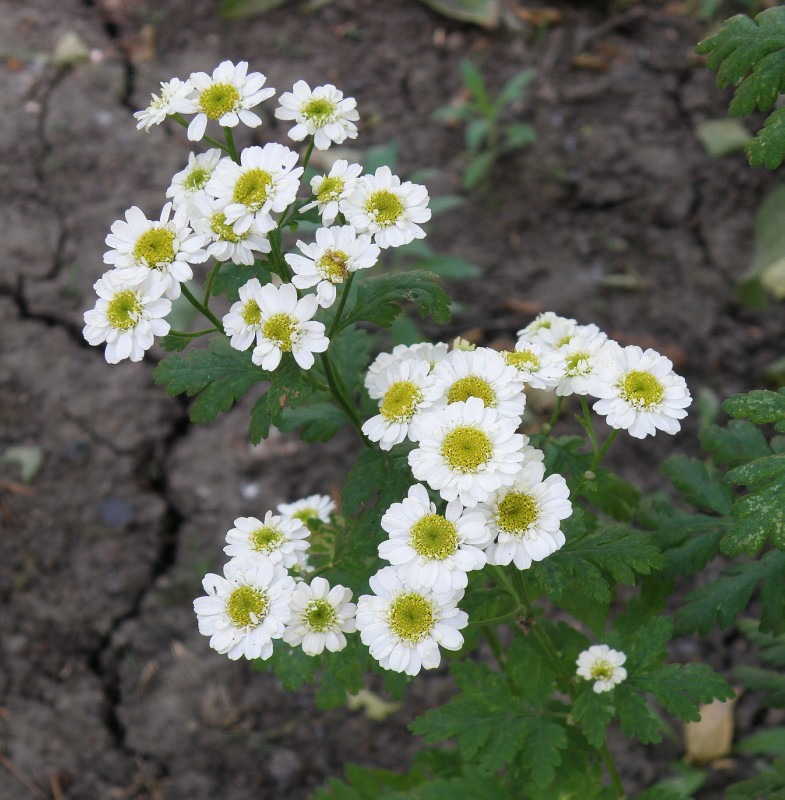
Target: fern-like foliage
x: 750, y: 54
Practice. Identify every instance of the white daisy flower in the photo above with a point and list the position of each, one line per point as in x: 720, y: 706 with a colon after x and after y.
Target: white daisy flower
x: 580, y: 359
x: 317, y: 506
x: 127, y: 316
x: 323, y: 113
x: 225, y: 97
x: 243, y: 323
x: 525, y: 518
x: 326, y: 264
x: 404, y: 390
x: 247, y: 608
x: 538, y: 366
x: 224, y: 242
x: 481, y: 373
x: 320, y: 617
x: 430, y: 549
x: 466, y: 451
x: 548, y: 324
x: 332, y: 189
x: 603, y: 666
x: 386, y: 208
x: 404, y: 626
x: 639, y: 391
x: 432, y: 354
x: 166, y: 248
x: 265, y: 181
x: 173, y: 99
x: 283, y: 541
x: 287, y: 327
x: 188, y: 185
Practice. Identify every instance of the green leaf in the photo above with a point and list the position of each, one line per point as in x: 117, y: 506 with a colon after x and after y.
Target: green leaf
x: 474, y: 81
x: 287, y: 390
x: 475, y: 132
x: 593, y: 712
x: 722, y: 137
x: 364, y: 479
x: 513, y: 89
x: 518, y: 135
x: 385, y: 155
x: 233, y: 276
x: 450, y: 267
x: 350, y: 353
x: 701, y: 484
x: 682, y: 688
x: 726, y: 597
x: 770, y: 742
x: 484, y: 13
x: 478, y: 168
x: 762, y: 512
x: 319, y: 421
x: 759, y: 406
x: 635, y: 716
x: 612, y: 494
x: 769, y: 785
x: 218, y: 377
x: 768, y: 262
x: 767, y: 149
x: 235, y: 9
x: 378, y: 298
x: 293, y: 668
x: 739, y: 442
x: 343, y: 674
x: 749, y: 54
x: 757, y: 679
x: 175, y: 341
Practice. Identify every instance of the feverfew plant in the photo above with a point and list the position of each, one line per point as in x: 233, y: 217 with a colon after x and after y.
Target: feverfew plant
x: 457, y: 539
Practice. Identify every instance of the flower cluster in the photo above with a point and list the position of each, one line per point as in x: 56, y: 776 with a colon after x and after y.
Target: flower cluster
x: 226, y: 205
x: 257, y: 600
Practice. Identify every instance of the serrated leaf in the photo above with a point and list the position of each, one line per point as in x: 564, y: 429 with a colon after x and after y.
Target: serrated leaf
x: 287, y: 390
x: 682, y: 688
x: 635, y: 716
x: 293, y: 668
x: 759, y: 406
x: 593, y: 712
x: 378, y: 298
x: 769, y: 785
x: 749, y: 53
x: 757, y: 679
x: 318, y: 422
x: 363, y: 480
x: 342, y: 674
x: 701, y: 484
x: 726, y: 597
x: 612, y: 494
x: 737, y: 443
x: 769, y: 742
x: 767, y: 149
x: 218, y: 377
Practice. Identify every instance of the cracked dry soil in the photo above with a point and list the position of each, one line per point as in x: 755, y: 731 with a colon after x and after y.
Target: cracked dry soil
x: 616, y: 216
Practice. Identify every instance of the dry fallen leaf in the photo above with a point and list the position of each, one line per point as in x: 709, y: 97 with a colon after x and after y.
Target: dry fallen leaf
x: 710, y: 738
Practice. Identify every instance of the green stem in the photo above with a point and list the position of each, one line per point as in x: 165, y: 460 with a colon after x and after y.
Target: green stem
x: 339, y: 393
x: 347, y: 287
x: 208, y: 286
x: 587, y: 424
x: 493, y: 642
x: 279, y: 261
x: 556, y: 414
x: 192, y: 334
x: 201, y: 308
x: 613, y: 773
x: 214, y: 142
x: 598, y: 456
x: 231, y: 148
x: 308, y: 152
x: 285, y: 216
x: 502, y: 578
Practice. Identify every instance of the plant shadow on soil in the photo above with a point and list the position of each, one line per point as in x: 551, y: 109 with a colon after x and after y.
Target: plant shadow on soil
x: 616, y: 216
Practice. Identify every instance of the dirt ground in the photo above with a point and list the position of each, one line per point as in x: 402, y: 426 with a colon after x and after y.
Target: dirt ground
x: 616, y: 216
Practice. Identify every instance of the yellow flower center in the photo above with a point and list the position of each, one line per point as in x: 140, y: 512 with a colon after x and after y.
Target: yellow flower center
x: 319, y: 111
x: 319, y: 615
x: 226, y: 232
x: 332, y: 265
x: 578, y: 363
x: 329, y: 189
x: 523, y: 360
x: 265, y: 540
x: 641, y: 389
x: 252, y: 188
x: 280, y: 329
x: 400, y: 401
x: 219, y: 99
x: 516, y: 513
x: 124, y: 310
x: 434, y: 537
x: 385, y: 207
x: 196, y: 179
x: 247, y: 607
x: 602, y: 670
x: 471, y: 386
x: 251, y: 313
x: 155, y: 248
x: 411, y: 617
x: 466, y: 449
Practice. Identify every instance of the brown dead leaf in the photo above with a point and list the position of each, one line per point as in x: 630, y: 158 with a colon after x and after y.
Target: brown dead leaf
x: 528, y: 307
x: 538, y: 17
x: 141, y: 46
x: 711, y: 738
